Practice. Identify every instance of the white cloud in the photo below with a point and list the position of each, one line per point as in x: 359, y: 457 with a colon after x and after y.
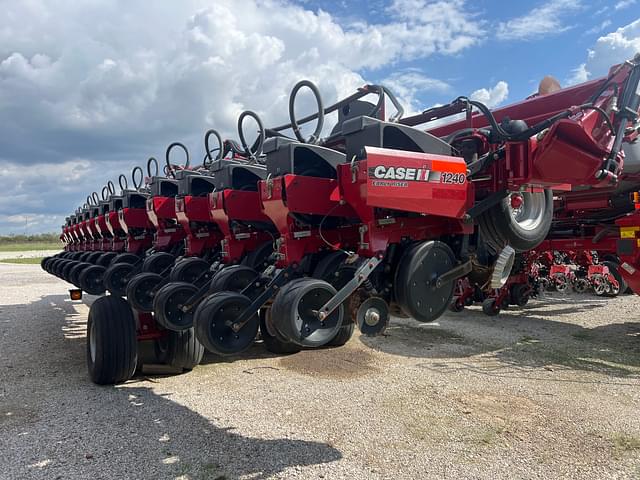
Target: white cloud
x: 546, y: 19
x: 624, y: 4
x: 114, y: 82
x: 408, y: 84
x: 494, y: 96
x: 578, y: 75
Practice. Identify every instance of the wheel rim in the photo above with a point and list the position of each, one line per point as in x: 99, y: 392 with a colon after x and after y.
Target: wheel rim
x: 144, y: 294
x: 175, y: 317
x: 529, y: 214
x: 220, y: 318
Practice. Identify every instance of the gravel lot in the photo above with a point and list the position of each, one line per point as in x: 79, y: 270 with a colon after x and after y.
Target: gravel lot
x: 549, y: 391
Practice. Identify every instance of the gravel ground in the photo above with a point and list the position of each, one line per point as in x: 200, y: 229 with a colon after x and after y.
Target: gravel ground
x: 29, y: 254
x: 549, y: 391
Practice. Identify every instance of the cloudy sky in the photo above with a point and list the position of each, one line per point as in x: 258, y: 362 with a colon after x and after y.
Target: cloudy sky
x: 90, y: 88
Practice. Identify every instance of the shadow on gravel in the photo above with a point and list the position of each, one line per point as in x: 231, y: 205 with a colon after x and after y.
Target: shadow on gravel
x: 521, y: 339
x: 81, y: 430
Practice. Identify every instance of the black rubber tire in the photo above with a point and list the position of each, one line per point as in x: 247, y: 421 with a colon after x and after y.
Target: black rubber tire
x: 274, y: 343
x: 93, y: 257
x: 165, y: 304
x: 116, y: 278
x: 84, y: 256
x: 498, y: 228
x: 456, y: 305
x: 344, y: 334
x: 76, y: 270
x: 286, y: 315
x: 214, y: 305
x: 489, y: 307
x: 520, y: 294
x: 139, y: 290
x: 234, y: 278
x: 112, y: 328
x: 91, y: 280
x: 158, y: 262
x: 614, y: 269
x: 43, y: 263
x: 188, y: 270
x: 257, y: 259
x: 105, y: 259
x: 180, y: 350
x: 125, y: 258
x: 66, y: 269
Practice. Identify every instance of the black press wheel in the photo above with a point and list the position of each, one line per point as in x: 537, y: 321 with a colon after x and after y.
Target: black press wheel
x: 140, y: 290
x: 125, y: 258
x: 417, y: 291
x: 214, y: 322
x: 180, y: 350
x: 93, y: 257
x: 258, y: 258
x: 76, y: 270
x: 112, y: 351
x: 66, y: 269
x: 188, y: 270
x: 158, y: 262
x: 168, y: 306
x: 490, y: 307
x: 234, y: 278
x: 105, y: 259
x: 116, y: 278
x: 295, y: 312
x: 272, y: 341
x: 90, y: 279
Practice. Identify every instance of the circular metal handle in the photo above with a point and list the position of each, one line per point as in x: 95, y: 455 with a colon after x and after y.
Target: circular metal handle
x: 138, y: 184
x: 153, y: 161
x: 96, y: 198
x: 169, y: 168
x: 88, y: 201
x: 111, y: 187
x: 252, y: 154
x: 105, y: 193
x: 122, y: 181
x: 209, y: 161
x: 315, y: 137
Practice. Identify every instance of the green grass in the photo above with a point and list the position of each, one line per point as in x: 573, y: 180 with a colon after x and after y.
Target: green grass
x: 24, y: 246
x: 22, y: 261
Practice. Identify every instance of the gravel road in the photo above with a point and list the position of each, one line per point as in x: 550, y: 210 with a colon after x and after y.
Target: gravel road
x: 548, y: 391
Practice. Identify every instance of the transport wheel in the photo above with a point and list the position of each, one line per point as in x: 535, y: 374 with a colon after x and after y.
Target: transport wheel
x: 125, y: 258
x: 116, y: 278
x: 520, y: 294
x: 112, y: 351
x: 258, y: 258
x: 105, y: 258
x: 158, y: 262
x: 416, y: 289
x: 581, y: 285
x: 272, y: 341
x: 168, y: 303
x: 614, y: 269
x: 234, y: 278
x: 490, y: 307
x: 214, y: 319
x: 521, y: 220
x: 76, y: 270
x: 188, y: 270
x: 294, y: 312
x: 90, y: 279
x: 140, y: 290
x: 180, y: 350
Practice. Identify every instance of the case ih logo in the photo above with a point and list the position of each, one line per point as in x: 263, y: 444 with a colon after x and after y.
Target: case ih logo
x: 404, y: 174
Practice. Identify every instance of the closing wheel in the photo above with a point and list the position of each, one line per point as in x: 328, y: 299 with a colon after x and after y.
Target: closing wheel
x: 112, y: 350
x: 614, y: 270
x: 600, y: 284
x: 561, y: 282
x: 418, y: 292
x: 522, y: 220
x: 90, y: 279
x: 214, y: 323
x: 520, y: 294
x: 272, y: 341
x: 490, y: 307
x: 188, y: 270
x: 234, y: 278
x: 373, y: 316
x: 157, y: 262
x: 140, y: 290
x: 581, y: 285
x: 105, y: 258
x: 169, y: 306
x: 76, y: 270
x: 116, y: 278
x: 295, y: 312
x: 180, y: 350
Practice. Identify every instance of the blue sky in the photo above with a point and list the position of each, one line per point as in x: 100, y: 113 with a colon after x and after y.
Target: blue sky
x: 90, y: 89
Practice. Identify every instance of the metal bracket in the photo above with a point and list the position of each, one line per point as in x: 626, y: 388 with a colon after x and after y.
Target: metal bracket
x: 485, y: 204
x: 455, y: 273
x: 358, y: 279
x: 269, y: 186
